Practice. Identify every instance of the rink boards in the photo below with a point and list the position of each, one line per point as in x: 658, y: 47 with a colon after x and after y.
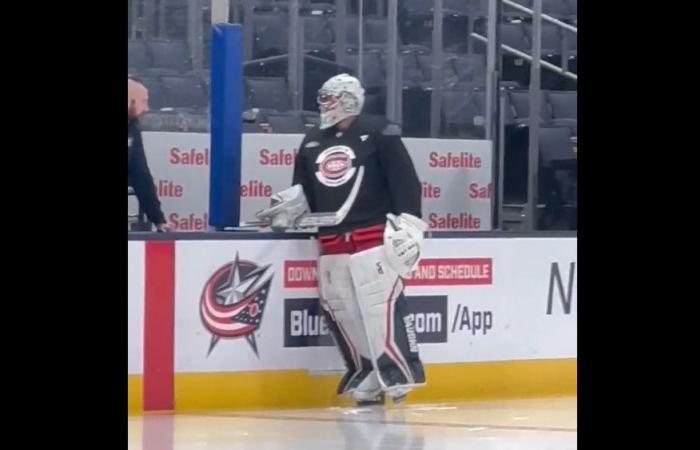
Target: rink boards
x: 456, y: 177
x: 235, y: 323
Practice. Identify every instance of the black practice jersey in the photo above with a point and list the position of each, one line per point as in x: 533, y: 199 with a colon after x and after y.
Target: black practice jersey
x: 326, y: 167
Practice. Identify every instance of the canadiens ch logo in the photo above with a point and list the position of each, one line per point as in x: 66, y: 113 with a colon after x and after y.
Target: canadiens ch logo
x: 233, y: 301
x: 335, y: 165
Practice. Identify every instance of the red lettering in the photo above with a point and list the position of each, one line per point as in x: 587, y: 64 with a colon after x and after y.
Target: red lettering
x: 482, y: 192
x: 433, y: 159
x: 192, y: 222
x: 168, y: 188
x: 278, y: 158
x: 192, y: 157
x: 264, y: 157
x: 256, y: 188
x: 463, y: 160
x: 463, y: 221
x: 430, y: 191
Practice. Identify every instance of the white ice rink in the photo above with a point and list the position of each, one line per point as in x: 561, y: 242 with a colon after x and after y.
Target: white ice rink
x: 533, y: 424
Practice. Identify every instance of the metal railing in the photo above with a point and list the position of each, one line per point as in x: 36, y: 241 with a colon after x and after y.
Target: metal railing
x: 537, y: 31
x: 536, y: 63
x: 545, y: 17
x: 547, y: 65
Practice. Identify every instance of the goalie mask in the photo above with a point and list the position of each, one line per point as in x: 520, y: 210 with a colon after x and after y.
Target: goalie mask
x: 340, y: 97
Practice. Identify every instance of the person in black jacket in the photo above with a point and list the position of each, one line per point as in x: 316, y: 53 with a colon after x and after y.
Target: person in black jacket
x: 140, y: 177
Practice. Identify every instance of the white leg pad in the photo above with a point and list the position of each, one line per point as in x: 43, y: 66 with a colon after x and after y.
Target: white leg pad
x: 337, y: 295
x: 393, y: 349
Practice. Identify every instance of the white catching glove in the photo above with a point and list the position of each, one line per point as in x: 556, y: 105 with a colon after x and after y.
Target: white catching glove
x: 403, y: 239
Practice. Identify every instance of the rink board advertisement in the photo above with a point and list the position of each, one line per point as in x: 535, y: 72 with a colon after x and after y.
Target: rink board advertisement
x: 237, y: 323
x: 136, y: 286
x: 253, y: 305
x: 451, y: 171
x: 212, y: 333
x: 179, y: 163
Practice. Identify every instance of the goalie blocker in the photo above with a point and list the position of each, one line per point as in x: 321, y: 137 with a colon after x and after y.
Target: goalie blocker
x: 290, y: 209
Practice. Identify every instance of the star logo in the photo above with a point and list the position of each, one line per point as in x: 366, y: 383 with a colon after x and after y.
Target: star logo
x: 233, y: 301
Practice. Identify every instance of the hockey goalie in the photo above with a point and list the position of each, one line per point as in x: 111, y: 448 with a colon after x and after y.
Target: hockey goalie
x: 354, y: 176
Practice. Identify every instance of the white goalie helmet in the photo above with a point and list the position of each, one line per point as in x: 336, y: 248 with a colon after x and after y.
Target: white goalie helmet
x: 340, y: 97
